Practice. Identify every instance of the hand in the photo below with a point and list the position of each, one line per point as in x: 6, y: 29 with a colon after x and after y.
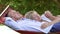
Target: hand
x: 2, y: 20
x: 44, y: 25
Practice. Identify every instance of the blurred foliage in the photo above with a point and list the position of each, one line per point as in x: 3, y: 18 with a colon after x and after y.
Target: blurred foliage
x: 40, y: 6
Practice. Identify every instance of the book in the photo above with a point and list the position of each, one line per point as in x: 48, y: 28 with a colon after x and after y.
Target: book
x: 4, y: 10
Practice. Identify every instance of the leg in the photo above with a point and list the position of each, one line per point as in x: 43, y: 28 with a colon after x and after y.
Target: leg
x: 58, y: 16
x: 56, y: 27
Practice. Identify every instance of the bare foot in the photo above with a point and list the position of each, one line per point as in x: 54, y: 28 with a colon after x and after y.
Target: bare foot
x: 49, y: 15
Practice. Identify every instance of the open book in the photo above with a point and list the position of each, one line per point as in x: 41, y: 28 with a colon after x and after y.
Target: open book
x: 2, y: 12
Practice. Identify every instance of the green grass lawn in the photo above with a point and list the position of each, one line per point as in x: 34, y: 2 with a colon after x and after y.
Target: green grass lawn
x: 40, y: 6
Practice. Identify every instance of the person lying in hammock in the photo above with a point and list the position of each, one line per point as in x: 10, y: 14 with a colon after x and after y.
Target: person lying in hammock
x: 16, y: 21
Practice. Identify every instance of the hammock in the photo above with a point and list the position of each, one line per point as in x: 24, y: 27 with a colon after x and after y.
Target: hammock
x: 32, y: 32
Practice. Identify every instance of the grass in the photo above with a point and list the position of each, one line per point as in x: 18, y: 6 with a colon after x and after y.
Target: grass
x: 40, y: 6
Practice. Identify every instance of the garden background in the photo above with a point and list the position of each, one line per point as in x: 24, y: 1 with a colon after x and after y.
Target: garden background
x: 40, y: 6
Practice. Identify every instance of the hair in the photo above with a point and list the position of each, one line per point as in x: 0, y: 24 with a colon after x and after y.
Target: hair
x: 29, y: 15
x: 14, y: 14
